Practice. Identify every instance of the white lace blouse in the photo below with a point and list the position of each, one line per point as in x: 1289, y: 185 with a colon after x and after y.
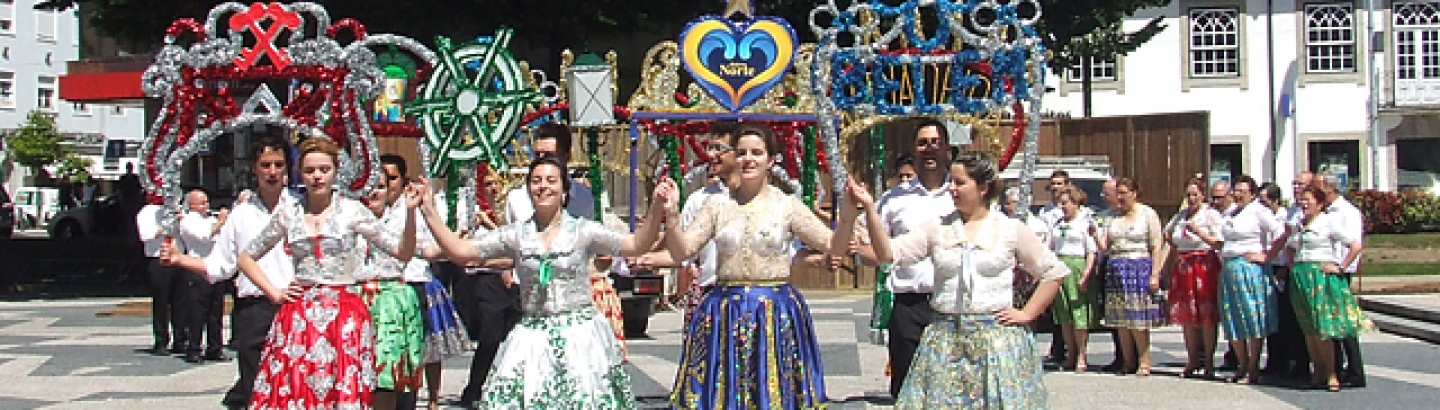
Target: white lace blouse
x: 1134, y: 235
x: 336, y: 254
x: 976, y: 275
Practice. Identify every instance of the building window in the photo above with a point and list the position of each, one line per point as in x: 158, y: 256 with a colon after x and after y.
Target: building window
x: 1214, y: 42
x: 45, y: 22
x: 80, y: 108
x: 7, y: 16
x: 1227, y: 161
x: 1330, y: 38
x: 1101, y: 69
x: 1338, y: 158
x: 1417, y: 52
x: 7, y: 89
x: 117, y: 110
x: 45, y: 94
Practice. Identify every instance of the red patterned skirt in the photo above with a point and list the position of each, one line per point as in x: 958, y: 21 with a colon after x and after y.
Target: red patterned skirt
x: 320, y: 354
x: 608, y: 303
x: 1193, y: 289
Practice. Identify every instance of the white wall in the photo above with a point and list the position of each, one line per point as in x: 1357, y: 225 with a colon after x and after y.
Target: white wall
x: 1154, y: 80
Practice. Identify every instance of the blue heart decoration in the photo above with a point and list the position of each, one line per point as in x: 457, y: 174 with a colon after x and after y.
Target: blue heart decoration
x: 737, y: 63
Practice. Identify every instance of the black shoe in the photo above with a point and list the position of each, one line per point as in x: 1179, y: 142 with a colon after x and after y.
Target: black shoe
x: 194, y: 358
x: 177, y: 348
x: 159, y: 351
x: 216, y: 357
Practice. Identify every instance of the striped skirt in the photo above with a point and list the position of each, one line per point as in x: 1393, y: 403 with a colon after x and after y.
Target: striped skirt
x: 973, y: 362
x: 1247, y: 300
x: 750, y: 347
x: 1193, y: 293
x: 1324, y: 305
x: 1129, y: 304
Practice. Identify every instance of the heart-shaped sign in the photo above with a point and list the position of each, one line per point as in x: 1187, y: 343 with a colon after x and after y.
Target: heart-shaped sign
x: 737, y: 63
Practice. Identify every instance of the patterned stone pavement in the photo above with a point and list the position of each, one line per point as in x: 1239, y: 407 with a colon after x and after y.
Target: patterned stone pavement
x: 61, y: 355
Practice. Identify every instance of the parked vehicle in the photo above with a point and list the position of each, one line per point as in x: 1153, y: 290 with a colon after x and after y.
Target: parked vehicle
x: 37, y: 205
x: 638, y: 294
x: 1089, y: 173
x: 97, y: 217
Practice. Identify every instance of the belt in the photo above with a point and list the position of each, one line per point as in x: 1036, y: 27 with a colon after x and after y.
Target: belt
x: 751, y: 282
x: 483, y: 271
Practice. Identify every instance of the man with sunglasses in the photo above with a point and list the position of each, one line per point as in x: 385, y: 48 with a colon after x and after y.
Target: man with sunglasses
x: 1223, y: 199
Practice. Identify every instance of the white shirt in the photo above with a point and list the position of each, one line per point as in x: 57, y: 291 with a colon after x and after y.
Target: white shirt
x: 1288, y: 217
x: 147, y: 224
x: 1247, y: 230
x: 905, y: 208
x: 1072, y: 238
x: 246, y: 221
x: 1208, y: 220
x: 417, y: 269
x: 197, y: 233
x: 1325, y: 239
x: 463, y: 220
x: 1052, y: 214
x: 1353, y: 223
x: 977, y: 275
x: 707, y: 258
x: 581, y: 203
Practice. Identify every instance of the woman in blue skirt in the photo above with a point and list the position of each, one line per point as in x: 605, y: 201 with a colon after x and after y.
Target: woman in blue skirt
x: 751, y: 343
x: 1135, y: 243
x: 1247, y: 297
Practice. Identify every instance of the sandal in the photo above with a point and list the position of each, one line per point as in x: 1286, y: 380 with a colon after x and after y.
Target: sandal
x: 1080, y: 368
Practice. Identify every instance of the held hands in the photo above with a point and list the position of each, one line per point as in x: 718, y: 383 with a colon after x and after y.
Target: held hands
x: 415, y: 195
x: 859, y: 194
x: 667, y: 197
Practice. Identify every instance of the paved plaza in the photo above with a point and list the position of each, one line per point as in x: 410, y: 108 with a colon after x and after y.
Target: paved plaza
x: 62, y: 355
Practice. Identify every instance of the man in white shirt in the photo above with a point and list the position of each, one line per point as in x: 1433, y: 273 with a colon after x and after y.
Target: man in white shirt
x: 905, y: 208
x: 204, y: 301
x: 1353, y: 222
x: 1051, y: 213
x: 1223, y: 199
x: 253, y: 312
x: 551, y: 140
x: 166, y: 283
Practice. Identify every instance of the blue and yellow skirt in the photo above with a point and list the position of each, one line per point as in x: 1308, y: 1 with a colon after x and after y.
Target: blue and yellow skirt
x: 444, y: 336
x: 1247, y: 300
x: 752, y: 347
x: 971, y: 361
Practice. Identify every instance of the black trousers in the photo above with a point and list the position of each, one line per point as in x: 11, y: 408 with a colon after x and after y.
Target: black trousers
x: 1348, y: 361
x: 908, y: 319
x: 1286, y: 346
x: 204, y: 305
x: 250, y: 321
x: 496, y: 311
x: 167, y: 288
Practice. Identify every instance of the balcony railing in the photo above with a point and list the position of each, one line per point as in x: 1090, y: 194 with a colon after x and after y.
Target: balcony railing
x: 1413, y: 93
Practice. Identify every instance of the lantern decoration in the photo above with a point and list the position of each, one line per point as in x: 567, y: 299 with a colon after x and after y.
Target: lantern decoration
x: 203, y: 70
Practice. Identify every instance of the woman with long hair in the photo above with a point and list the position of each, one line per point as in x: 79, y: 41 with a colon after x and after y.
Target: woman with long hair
x: 321, y: 349
x: 977, y: 353
x: 1323, y: 303
x: 1075, y: 308
x: 751, y: 343
x: 563, y: 353
x: 1135, y: 243
x: 1195, y: 234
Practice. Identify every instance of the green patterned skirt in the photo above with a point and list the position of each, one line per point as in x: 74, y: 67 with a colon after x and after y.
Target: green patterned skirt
x: 565, y: 360
x: 1074, y: 304
x: 1323, y: 303
x: 399, y: 334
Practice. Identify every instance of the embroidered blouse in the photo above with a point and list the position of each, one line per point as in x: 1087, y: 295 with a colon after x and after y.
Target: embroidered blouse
x: 336, y: 254
x: 386, y: 267
x: 1317, y: 242
x: 556, y: 280
x: 977, y: 275
x: 1208, y: 220
x: 754, y: 241
x: 1135, y: 235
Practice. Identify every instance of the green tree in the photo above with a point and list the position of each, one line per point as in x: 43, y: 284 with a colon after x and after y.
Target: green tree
x: 74, y: 168
x: 37, y: 143
x: 1077, y: 30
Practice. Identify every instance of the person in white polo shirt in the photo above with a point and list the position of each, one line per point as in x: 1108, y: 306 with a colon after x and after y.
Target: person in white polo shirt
x: 165, y: 282
x: 1352, y: 221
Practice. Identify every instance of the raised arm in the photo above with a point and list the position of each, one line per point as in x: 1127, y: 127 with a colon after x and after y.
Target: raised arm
x: 644, y: 238
x: 402, y: 248
x: 684, y: 241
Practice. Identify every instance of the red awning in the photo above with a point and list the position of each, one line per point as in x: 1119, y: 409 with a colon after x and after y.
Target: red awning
x: 101, y: 87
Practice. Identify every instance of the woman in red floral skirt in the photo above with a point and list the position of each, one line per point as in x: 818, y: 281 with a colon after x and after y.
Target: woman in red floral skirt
x: 1195, y: 234
x: 321, y: 349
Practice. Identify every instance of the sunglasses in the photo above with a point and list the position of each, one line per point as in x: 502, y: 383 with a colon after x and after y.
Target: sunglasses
x: 719, y: 147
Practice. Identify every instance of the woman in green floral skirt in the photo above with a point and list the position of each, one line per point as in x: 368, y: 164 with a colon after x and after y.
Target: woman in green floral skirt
x: 1323, y: 303
x: 1075, y: 307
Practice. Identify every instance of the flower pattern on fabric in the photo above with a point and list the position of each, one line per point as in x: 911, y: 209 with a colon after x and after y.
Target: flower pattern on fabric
x: 559, y: 361
x: 301, y: 366
x: 1247, y: 301
x: 972, y: 362
x: 1128, y: 301
x: 1324, y: 305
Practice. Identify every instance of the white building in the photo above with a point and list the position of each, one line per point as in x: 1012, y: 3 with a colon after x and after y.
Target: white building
x: 1216, y: 56
x: 35, y: 46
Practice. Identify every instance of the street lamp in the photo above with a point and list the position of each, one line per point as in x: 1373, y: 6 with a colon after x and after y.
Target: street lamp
x: 589, y: 83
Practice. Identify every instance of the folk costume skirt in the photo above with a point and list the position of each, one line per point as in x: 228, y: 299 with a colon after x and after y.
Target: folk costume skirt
x: 444, y: 335
x: 565, y: 360
x: 320, y: 354
x: 1193, y: 289
x: 399, y: 334
x: 750, y: 347
x: 970, y: 361
x: 1324, y: 305
x: 1129, y: 304
x: 1074, y: 304
x: 608, y: 302
x: 1247, y: 300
